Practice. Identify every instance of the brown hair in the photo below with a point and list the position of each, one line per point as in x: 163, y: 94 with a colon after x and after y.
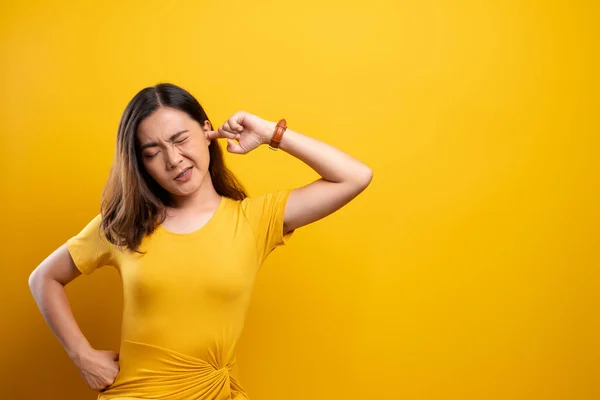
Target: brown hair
x: 133, y: 203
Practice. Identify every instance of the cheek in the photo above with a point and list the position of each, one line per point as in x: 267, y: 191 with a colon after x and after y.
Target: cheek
x: 153, y: 171
x: 199, y: 155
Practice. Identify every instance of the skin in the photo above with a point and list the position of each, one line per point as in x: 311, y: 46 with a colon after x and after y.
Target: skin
x: 171, y: 141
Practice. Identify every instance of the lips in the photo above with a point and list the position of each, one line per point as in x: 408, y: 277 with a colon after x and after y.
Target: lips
x: 183, y: 173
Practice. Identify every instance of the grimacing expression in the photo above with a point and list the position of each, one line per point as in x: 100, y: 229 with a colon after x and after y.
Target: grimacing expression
x: 172, y: 143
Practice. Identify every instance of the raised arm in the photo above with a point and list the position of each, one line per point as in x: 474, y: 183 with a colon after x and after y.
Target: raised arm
x: 342, y: 179
x: 342, y: 176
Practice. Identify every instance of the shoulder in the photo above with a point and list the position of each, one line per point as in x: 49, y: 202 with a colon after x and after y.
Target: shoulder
x: 90, y: 248
x: 265, y: 199
x: 94, y: 226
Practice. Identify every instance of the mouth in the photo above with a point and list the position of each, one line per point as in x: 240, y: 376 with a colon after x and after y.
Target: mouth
x: 184, y: 173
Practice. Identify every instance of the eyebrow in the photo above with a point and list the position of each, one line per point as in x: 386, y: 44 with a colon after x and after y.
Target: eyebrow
x: 172, y: 138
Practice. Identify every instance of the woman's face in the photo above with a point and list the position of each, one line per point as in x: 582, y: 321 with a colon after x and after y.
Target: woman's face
x: 174, y: 150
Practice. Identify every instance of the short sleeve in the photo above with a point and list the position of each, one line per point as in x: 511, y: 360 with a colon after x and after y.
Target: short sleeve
x: 265, y: 214
x: 90, y: 249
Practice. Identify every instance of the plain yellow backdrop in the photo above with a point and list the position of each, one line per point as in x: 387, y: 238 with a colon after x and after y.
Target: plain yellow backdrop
x: 467, y: 270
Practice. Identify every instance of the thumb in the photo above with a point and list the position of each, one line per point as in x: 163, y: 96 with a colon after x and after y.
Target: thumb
x: 114, y: 355
x: 234, y: 147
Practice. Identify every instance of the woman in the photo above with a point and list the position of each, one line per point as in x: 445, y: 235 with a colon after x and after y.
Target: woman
x: 187, y: 242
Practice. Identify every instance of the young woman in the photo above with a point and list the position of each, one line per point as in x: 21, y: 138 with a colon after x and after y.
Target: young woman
x: 187, y: 242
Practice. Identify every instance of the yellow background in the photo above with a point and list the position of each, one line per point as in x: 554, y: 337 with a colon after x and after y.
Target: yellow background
x: 467, y: 270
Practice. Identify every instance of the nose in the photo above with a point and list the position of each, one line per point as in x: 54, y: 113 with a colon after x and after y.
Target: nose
x: 173, y: 157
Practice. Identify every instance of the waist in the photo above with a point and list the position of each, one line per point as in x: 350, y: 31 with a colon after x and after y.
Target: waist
x: 200, y: 336
x: 149, y: 371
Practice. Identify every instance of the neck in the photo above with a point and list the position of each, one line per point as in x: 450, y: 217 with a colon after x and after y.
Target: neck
x: 205, y: 197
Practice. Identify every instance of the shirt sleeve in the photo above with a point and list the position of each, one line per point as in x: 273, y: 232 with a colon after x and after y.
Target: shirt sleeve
x: 265, y: 214
x: 90, y: 249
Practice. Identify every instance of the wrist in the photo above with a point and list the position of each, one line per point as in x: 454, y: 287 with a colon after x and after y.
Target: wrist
x: 268, y: 132
x: 79, y: 351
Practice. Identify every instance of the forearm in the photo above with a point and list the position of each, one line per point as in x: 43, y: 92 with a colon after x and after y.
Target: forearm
x: 331, y: 164
x: 51, y: 298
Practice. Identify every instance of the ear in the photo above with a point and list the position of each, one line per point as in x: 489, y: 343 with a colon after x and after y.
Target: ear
x: 206, y: 127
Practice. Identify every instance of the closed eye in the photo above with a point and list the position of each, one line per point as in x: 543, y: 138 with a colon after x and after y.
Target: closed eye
x: 151, y: 156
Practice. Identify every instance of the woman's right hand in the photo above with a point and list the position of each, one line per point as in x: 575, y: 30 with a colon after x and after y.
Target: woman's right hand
x: 99, y: 368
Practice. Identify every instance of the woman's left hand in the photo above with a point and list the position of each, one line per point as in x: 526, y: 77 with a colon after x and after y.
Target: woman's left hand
x: 247, y: 129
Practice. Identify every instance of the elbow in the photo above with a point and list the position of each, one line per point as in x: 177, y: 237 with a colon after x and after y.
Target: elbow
x: 33, y: 280
x: 357, y: 179
x: 36, y: 281
x: 364, y: 177
x: 33, y: 284
x: 369, y: 175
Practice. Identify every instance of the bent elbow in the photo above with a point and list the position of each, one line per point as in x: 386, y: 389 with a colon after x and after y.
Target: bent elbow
x: 33, y: 280
x: 365, y: 177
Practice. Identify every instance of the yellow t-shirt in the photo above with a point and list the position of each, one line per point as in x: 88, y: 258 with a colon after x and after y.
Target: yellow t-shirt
x: 185, y: 300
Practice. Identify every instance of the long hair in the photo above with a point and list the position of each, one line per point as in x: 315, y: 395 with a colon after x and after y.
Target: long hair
x: 133, y: 203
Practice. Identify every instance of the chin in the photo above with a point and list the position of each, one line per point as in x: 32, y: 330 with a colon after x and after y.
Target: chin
x: 185, y: 191
x: 188, y: 188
